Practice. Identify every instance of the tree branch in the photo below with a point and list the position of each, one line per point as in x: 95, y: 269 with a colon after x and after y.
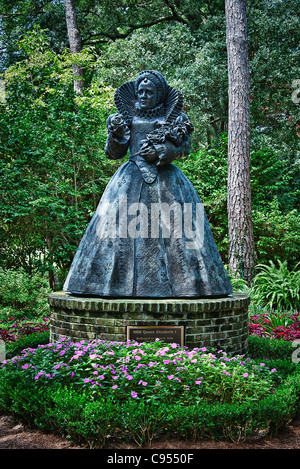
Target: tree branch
x: 117, y: 35
x: 175, y: 13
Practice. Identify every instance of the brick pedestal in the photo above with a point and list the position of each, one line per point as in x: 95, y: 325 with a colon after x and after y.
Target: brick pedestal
x: 221, y: 323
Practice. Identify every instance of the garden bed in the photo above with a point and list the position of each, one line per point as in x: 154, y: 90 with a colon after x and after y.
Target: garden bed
x: 96, y: 392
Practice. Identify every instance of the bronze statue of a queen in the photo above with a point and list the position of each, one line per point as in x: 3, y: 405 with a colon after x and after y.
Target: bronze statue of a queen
x: 149, y: 237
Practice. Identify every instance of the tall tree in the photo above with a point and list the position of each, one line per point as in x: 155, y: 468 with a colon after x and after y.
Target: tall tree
x: 240, y: 228
x: 75, y: 43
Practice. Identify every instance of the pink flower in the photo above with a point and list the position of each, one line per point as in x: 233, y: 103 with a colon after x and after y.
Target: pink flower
x: 134, y: 394
x: 245, y: 375
x: 114, y: 387
x: 143, y: 383
x: 170, y: 376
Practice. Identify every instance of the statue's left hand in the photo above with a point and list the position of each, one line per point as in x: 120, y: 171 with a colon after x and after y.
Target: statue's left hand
x: 148, y: 152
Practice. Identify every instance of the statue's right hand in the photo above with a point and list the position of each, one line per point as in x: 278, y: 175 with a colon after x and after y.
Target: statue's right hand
x: 116, y: 125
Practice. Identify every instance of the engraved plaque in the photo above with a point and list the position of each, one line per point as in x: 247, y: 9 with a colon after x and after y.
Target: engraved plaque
x: 168, y: 334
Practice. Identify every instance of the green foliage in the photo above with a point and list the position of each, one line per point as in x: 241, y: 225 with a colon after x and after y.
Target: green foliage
x: 275, y: 178
x: 279, y: 319
x: 77, y: 414
x: 275, y: 196
x: 189, y: 61
x: 274, y: 51
x: 52, y: 170
x: 278, y: 287
x: 88, y: 417
x: 149, y: 372
x: 270, y: 349
x: 276, y: 233
x: 30, y: 341
x: 24, y: 293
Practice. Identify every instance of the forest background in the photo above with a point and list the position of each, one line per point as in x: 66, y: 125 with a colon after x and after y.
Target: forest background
x: 53, y: 169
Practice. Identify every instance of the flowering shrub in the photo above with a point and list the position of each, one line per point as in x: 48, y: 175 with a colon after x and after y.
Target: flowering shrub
x: 285, y: 326
x: 15, y: 330
x: 153, y: 372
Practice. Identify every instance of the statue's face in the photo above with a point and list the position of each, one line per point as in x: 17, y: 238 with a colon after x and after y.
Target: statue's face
x: 147, y: 94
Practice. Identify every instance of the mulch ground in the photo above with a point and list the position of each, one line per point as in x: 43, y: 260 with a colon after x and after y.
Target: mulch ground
x: 15, y: 435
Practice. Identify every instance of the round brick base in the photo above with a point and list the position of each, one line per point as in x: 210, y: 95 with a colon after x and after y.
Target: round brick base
x: 221, y: 323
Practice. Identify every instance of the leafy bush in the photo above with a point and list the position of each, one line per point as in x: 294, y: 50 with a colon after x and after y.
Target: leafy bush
x: 151, y: 372
x: 71, y: 388
x: 275, y: 325
x: 277, y: 287
x: 276, y: 233
x: 23, y: 292
x: 77, y: 414
x: 15, y: 330
x: 267, y: 349
x: 53, y: 168
x: 32, y: 340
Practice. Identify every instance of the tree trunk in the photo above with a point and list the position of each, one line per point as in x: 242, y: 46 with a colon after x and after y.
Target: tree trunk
x: 75, y: 43
x: 241, y: 244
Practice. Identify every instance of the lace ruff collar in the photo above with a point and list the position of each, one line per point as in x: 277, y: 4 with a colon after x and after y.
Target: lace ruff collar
x: 149, y: 113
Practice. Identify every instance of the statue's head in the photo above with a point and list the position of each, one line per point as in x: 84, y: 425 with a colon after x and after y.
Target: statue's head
x: 148, y: 95
x: 150, y: 89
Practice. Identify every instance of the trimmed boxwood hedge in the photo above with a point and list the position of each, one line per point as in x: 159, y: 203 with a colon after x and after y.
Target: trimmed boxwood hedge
x: 85, y: 420
x: 73, y: 414
x: 259, y: 347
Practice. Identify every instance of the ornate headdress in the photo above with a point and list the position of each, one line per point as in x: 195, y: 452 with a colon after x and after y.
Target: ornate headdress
x: 157, y: 79
x: 170, y: 98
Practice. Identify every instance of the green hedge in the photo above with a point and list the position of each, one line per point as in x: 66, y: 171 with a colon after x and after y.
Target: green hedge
x: 259, y: 347
x: 85, y: 420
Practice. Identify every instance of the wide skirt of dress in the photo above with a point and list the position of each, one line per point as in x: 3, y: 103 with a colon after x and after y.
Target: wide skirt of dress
x: 148, y: 241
